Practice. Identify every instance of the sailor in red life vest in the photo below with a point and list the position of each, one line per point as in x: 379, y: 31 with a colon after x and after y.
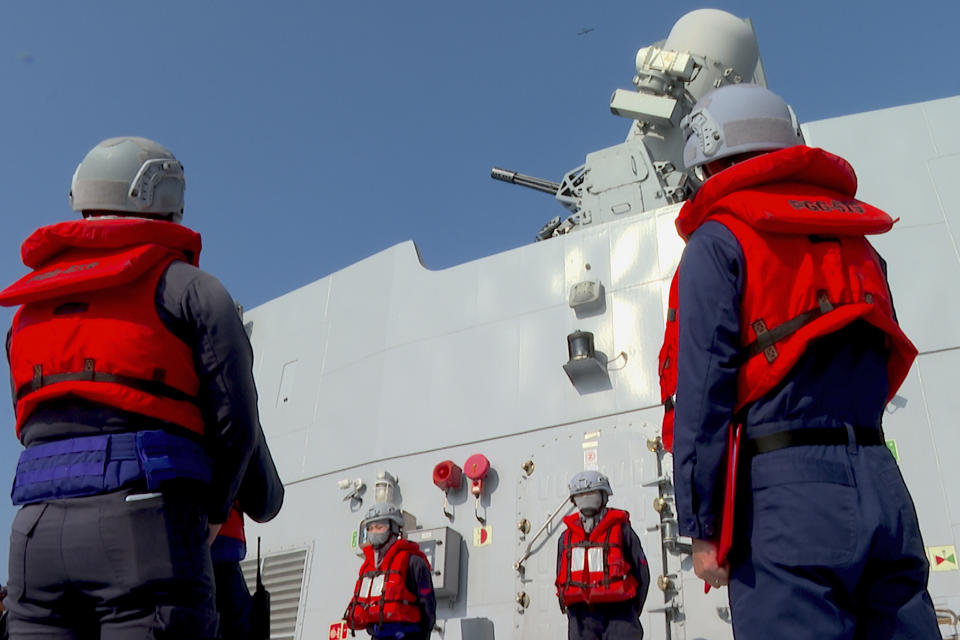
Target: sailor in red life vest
x: 602, y: 573
x: 260, y: 497
x: 393, y: 596
x: 787, y: 327
x: 134, y: 397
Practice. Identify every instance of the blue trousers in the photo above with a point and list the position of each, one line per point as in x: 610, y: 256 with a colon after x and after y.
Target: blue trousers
x: 834, y: 549
x: 234, y: 602
x: 107, y: 568
x: 609, y: 621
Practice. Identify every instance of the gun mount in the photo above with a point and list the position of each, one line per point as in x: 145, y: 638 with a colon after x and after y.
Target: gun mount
x: 707, y: 48
x: 530, y: 182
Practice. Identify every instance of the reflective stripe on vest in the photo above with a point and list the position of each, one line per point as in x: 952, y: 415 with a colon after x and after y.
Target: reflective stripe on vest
x: 593, y: 568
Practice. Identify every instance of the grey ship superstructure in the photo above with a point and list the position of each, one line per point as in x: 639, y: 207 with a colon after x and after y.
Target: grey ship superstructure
x: 385, y: 377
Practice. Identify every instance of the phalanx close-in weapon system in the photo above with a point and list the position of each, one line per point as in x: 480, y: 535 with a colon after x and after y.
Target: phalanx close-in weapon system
x: 705, y: 49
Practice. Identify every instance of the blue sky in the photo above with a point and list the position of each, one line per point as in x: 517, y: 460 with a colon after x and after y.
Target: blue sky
x: 315, y: 134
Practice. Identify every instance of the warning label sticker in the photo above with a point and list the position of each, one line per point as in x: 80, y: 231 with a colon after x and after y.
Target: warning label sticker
x: 590, y: 461
x: 338, y: 631
x: 482, y: 536
x: 943, y: 558
x: 892, y: 445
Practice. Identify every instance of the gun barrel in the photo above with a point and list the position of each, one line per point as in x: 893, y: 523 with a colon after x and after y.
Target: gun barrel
x: 540, y: 184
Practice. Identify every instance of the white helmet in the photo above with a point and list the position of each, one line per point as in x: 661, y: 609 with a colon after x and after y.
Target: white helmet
x: 383, y: 511
x: 587, y: 481
x: 129, y: 175
x: 735, y: 119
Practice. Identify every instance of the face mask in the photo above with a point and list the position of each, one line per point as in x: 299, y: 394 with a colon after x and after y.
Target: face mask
x: 589, y: 504
x: 378, y: 538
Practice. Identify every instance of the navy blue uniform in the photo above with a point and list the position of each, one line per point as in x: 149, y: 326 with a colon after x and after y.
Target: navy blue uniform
x: 132, y: 562
x: 612, y: 620
x: 828, y: 544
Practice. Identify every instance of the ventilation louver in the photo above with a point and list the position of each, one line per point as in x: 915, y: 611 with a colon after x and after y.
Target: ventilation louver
x: 283, y: 577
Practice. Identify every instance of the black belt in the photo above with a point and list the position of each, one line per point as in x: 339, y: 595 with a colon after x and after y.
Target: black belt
x: 865, y: 436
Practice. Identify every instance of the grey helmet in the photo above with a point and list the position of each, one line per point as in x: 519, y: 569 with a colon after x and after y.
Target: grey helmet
x: 735, y: 119
x: 132, y: 176
x: 384, y: 511
x: 587, y: 481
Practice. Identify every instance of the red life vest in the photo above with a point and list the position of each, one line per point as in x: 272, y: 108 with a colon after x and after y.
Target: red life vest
x: 809, y: 269
x: 593, y: 568
x: 667, y: 367
x: 381, y: 594
x: 233, y: 527
x: 89, y: 326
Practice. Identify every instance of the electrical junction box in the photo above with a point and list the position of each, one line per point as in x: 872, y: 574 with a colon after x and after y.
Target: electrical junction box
x: 442, y: 548
x: 586, y: 295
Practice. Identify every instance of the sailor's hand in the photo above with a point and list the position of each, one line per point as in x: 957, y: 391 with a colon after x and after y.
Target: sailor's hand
x: 705, y: 564
x: 212, y: 535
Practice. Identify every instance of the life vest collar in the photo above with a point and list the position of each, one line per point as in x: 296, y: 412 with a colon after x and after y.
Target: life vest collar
x: 47, y: 242
x: 609, y: 519
x: 86, y: 255
x: 802, y: 168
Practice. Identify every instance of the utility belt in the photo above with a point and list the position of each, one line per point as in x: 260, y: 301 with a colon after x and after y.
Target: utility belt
x: 812, y: 436
x: 91, y: 465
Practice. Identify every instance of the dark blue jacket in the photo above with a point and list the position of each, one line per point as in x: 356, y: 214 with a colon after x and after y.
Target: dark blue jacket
x: 842, y: 378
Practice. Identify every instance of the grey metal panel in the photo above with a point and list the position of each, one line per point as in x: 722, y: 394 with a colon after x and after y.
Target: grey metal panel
x: 286, y: 379
x: 908, y: 422
x: 542, y: 386
x: 637, y: 332
x: 669, y: 244
x: 941, y: 117
x: 447, y: 386
x: 288, y: 450
x: 889, y: 150
x: 358, y: 306
x: 587, y: 256
x: 938, y: 377
x: 922, y: 262
x: 343, y: 420
x: 427, y: 303
x: 289, y: 340
x: 928, y: 460
x: 944, y: 172
x: 633, y: 252
x: 520, y: 282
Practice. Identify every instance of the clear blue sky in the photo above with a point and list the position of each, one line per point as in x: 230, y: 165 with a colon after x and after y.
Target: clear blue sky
x: 317, y: 133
